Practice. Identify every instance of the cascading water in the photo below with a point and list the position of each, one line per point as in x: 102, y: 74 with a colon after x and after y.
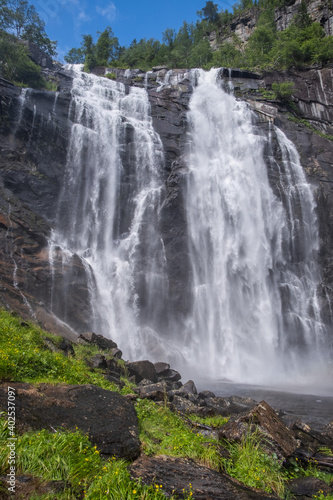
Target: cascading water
x: 109, y: 208
x: 253, y: 253
x: 252, y: 234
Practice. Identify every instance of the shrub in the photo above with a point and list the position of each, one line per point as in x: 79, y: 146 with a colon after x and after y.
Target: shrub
x: 111, y: 76
x: 284, y: 90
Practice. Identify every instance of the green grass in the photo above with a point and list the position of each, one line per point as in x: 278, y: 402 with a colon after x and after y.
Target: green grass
x: 252, y: 466
x: 164, y: 433
x: 69, y: 456
x: 24, y: 357
x: 215, y: 421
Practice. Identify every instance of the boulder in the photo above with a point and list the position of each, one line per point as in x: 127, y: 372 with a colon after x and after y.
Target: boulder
x: 116, y: 353
x: 307, y: 487
x: 171, y: 375
x: 189, y: 387
x: 141, y: 370
x: 230, y: 405
x: 206, y: 394
x: 97, y: 361
x: 107, y: 417
x: 180, y: 477
x: 157, y: 392
x: 161, y: 367
x: 103, y: 343
x: 276, y: 435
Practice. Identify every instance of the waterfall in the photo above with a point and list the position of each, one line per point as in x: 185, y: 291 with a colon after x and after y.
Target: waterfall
x: 108, y: 212
x: 253, y: 251
x: 251, y: 225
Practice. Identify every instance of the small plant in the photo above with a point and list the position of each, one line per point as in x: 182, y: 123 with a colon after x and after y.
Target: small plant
x: 284, y: 90
x: 267, y: 94
x: 111, y: 76
x: 252, y: 466
x: 51, y: 86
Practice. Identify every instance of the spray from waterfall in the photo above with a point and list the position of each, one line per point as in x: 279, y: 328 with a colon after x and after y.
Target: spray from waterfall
x: 253, y: 252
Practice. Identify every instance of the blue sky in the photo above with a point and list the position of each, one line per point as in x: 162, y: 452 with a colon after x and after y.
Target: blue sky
x: 67, y: 20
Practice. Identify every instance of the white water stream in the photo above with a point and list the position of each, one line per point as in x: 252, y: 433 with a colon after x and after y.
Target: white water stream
x: 255, y: 315
x: 253, y: 251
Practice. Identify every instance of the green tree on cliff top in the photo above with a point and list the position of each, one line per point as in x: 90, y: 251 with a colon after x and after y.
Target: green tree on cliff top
x: 21, y: 19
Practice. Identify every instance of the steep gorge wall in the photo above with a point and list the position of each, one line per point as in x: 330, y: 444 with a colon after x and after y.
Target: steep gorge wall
x: 243, y: 25
x: 34, y: 142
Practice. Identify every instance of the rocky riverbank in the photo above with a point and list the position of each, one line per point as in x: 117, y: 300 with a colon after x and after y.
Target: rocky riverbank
x: 110, y: 420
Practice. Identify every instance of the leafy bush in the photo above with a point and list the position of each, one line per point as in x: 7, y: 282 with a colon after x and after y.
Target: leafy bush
x: 111, y: 76
x: 284, y: 90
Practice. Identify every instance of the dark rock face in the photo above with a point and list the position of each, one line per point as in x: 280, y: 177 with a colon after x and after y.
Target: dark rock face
x: 176, y: 474
x: 34, y: 137
x: 108, y: 419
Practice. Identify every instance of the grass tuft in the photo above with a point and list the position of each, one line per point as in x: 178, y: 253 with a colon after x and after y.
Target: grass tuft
x: 252, y: 466
x: 164, y: 433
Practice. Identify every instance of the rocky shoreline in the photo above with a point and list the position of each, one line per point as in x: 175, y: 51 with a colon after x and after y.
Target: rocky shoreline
x: 111, y: 423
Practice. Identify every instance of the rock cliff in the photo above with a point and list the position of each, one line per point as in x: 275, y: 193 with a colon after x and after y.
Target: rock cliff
x: 243, y: 25
x: 35, y: 131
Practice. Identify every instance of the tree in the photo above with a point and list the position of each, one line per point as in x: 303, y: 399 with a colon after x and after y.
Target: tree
x: 302, y: 18
x: 168, y: 37
x: 75, y: 56
x: 210, y: 12
x: 88, y: 47
x: 20, y: 18
x: 17, y: 65
x: 107, y: 47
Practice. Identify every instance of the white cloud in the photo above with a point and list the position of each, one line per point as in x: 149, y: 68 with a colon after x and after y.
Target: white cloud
x: 83, y: 17
x: 109, y: 11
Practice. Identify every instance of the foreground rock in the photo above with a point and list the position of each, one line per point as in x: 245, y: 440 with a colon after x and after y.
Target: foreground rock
x: 107, y: 417
x: 276, y: 435
x: 307, y: 487
x: 180, y: 476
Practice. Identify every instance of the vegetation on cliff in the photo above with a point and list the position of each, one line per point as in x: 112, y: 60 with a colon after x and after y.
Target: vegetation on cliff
x: 20, y: 25
x: 302, y: 43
